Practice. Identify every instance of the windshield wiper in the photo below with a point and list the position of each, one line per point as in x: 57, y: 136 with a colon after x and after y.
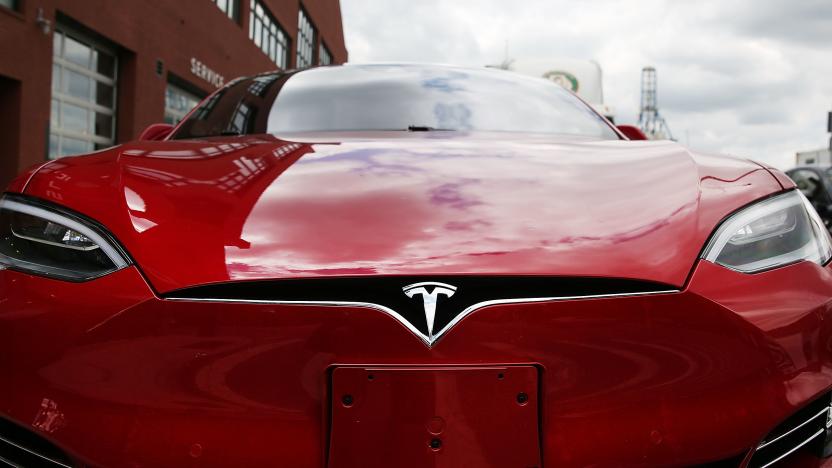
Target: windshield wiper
x: 422, y: 128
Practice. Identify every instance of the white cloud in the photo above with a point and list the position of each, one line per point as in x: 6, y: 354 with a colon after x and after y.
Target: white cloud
x: 748, y: 77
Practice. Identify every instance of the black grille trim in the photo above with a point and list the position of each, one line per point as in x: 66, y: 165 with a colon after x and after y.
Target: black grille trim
x: 20, y: 447
x: 386, y: 290
x: 804, y: 429
x: 463, y: 295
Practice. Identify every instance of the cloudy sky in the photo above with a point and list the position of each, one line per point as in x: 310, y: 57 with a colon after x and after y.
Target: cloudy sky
x: 746, y: 77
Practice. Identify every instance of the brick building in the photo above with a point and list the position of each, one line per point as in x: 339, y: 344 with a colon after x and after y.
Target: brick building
x: 76, y: 76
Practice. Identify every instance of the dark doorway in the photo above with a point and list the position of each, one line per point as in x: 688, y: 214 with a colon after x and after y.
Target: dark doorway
x: 9, y: 129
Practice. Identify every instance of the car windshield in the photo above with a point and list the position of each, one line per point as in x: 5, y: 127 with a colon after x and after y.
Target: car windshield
x: 393, y: 98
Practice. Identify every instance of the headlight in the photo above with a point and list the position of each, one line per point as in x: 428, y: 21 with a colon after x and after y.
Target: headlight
x: 40, y: 239
x: 777, y: 231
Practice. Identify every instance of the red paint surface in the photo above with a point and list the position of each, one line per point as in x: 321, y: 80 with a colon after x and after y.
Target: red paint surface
x: 200, y: 212
x: 129, y: 379
x: 632, y: 132
x: 139, y: 381
x: 18, y: 184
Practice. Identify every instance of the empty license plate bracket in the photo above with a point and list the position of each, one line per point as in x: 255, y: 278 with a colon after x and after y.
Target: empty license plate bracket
x: 434, y: 416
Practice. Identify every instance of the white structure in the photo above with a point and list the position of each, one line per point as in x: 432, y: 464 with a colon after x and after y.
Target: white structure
x: 583, y: 77
x: 821, y: 157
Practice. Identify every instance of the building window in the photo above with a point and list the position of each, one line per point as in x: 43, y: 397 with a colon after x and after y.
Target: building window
x: 306, y: 40
x: 205, y: 109
x: 268, y: 35
x: 229, y: 7
x: 324, y: 57
x: 260, y: 85
x: 10, y: 4
x: 178, y: 103
x: 241, y: 121
x: 83, y: 96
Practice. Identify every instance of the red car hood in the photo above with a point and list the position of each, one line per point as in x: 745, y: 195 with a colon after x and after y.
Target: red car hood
x: 215, y: 210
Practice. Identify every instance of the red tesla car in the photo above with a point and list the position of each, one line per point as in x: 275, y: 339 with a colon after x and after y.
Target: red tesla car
x: 410, y: 266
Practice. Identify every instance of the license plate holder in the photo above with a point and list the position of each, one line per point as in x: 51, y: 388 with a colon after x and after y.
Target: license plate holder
x: 434, y: 416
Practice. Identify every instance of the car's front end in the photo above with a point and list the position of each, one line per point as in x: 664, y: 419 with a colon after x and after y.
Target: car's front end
x: 411, y: 299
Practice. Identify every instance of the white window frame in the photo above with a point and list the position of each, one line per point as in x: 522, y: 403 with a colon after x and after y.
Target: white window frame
x: 268, y: 35
x: 324, y: 55
x: 90, y: 105
x: 175, y: 114
x: 232, y: 8
x: 306, y: 40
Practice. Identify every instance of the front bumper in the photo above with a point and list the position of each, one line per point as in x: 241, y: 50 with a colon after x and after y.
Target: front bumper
x: 118, y: 377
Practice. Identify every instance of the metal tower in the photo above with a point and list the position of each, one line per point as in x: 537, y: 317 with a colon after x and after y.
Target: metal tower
x: 829, y: 128
x: 652, y: 124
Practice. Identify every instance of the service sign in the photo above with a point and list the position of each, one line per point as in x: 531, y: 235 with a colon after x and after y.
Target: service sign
x: 202, y: 71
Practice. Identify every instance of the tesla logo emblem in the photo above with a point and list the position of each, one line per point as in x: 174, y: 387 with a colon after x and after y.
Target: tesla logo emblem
x: 430, y: 292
